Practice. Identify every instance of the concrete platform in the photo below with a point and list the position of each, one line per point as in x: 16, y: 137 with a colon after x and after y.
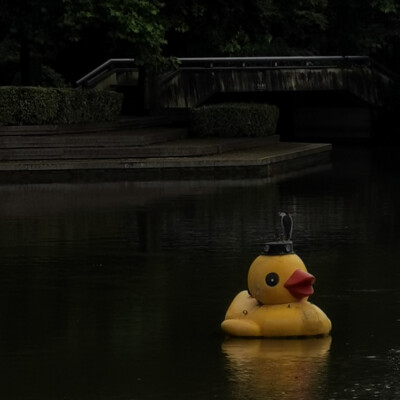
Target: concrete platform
x: 158, y: 153
x: 262, y: 161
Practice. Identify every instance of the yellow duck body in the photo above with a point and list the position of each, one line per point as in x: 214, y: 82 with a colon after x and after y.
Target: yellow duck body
x: 276, y: 304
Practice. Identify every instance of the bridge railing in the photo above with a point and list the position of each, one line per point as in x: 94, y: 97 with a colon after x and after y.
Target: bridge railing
x: 105, y: 69
x: 289, y: 62
x: 272, y: 62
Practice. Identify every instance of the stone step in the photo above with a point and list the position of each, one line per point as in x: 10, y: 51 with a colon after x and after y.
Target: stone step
x: 269, y: 161
x: 121, y: 138
x: 175, y: 148
x: 122, y: 124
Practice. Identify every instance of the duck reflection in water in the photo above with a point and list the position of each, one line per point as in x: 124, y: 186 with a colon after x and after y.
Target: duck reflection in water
x: 277, y: 368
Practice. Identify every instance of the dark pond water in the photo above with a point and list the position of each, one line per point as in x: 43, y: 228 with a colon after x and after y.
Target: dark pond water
x: 116, y: 291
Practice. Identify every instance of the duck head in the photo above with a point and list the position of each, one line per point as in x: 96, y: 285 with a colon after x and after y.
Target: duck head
x: 279, y: 276
x: 279, y: 279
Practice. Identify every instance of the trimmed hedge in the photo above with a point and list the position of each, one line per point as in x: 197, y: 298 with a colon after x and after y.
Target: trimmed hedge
x: 234, y: 120
x: 39, y: 106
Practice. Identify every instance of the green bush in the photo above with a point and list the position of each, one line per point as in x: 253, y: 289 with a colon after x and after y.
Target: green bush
x: 234, y: 120
x: 51, y: 78
x: 8, y: 100
x: 38, y: 105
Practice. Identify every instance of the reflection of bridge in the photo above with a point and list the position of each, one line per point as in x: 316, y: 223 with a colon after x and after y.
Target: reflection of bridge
x: 334, y: 94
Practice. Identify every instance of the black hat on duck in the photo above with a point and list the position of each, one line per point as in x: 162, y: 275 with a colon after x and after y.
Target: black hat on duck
x: 285, y: 245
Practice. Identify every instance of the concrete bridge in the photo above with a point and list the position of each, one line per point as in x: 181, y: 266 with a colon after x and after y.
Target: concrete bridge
x: 332, y: 96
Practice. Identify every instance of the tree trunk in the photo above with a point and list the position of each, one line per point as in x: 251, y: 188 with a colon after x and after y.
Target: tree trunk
x: 147, y: 89
x: 25, y: 61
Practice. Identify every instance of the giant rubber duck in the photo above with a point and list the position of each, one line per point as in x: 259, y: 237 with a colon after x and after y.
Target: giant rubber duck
x: 276, y: 302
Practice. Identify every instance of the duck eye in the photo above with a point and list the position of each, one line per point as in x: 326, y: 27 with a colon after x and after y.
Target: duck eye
x: 272, y: 279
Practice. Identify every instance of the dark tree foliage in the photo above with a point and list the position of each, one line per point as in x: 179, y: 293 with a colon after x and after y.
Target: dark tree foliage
x: 32, y: 26
x: 74, y: 36
x: 272, y: 27
x: 66, y: 32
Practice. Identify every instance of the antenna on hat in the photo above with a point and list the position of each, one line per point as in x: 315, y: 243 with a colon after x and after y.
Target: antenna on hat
x: 287, y: 226
x: 284, y: 245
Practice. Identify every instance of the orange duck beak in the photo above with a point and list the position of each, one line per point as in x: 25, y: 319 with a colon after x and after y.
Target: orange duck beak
x: 300, y: 284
